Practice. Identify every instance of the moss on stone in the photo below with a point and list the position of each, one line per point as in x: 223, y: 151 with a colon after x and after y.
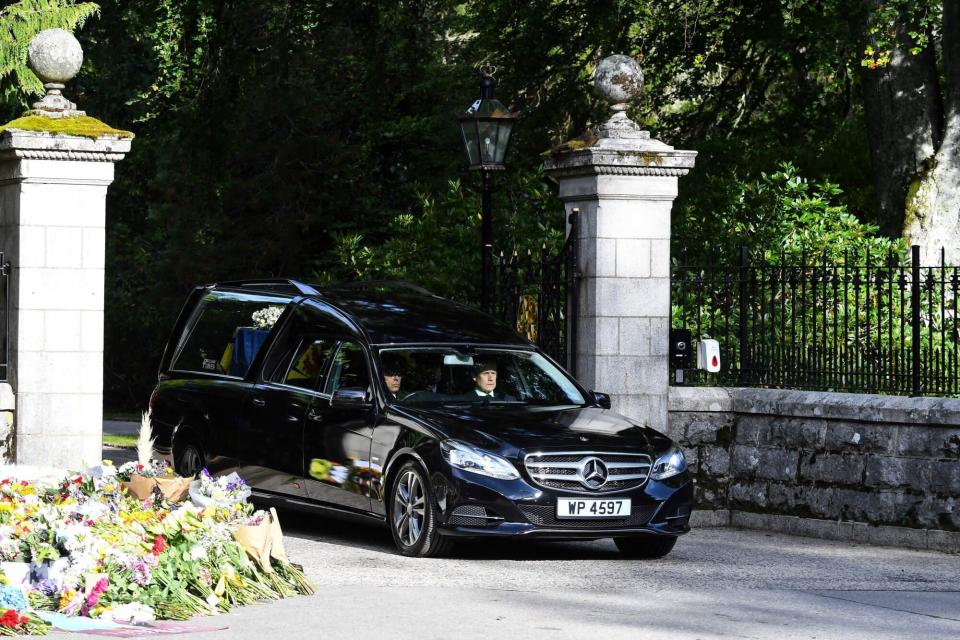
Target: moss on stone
x: 83, y: 126
x: 586, y: 140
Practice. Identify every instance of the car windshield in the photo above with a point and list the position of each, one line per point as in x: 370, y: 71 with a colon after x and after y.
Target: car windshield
x: 442, y: 375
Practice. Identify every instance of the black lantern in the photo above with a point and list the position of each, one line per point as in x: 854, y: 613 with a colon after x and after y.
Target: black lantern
x: 486, y: 127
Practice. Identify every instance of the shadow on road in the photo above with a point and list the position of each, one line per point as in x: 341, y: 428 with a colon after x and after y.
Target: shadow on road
x: 327, y: 529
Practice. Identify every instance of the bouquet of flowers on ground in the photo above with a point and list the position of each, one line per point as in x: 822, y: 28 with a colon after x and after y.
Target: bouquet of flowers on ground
x: 14, y: 617
x: 223, y: 491
x: 146, y: 477
x: 148, y: 469
x: 124, y: 559
x: 14, y: 623
x: 260, y: 536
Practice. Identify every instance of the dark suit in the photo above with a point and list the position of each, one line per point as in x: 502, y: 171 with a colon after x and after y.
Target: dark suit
x: 473, y: 396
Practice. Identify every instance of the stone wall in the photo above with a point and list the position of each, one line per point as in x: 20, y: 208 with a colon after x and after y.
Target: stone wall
x: 878, y: 469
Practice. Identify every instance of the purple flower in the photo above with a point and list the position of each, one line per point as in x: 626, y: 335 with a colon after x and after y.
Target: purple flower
x: 48, y: 587
x: 140, y: 572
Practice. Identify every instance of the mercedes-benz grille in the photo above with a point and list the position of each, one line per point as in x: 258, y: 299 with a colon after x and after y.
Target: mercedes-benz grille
x: 588, y: 471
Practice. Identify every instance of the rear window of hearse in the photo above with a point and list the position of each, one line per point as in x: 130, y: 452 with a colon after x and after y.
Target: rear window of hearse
x: 229, y: 330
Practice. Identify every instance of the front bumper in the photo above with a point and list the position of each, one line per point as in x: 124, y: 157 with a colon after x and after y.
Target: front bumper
x: 518, y: 508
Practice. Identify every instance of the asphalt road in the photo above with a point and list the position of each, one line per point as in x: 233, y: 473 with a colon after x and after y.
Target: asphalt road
x: 717, y: 583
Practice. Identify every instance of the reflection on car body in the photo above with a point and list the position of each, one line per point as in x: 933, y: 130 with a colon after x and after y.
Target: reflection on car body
x: 477, y: 434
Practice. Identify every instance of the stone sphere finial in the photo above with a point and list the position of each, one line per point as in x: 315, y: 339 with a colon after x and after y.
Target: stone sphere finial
x: 55, y: 56
x: 619, y: 79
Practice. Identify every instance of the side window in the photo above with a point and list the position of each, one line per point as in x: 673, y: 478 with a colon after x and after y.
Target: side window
x: 306, y: 369
x: 349, y: 369
x: 229, y: 332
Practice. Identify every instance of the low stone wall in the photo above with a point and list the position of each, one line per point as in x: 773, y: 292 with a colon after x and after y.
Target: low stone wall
x: 865, y: 468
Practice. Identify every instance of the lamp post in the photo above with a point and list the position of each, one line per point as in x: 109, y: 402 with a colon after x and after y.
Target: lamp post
x: 486, y: 127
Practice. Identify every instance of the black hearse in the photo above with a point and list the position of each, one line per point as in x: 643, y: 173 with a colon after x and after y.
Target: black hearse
x: 384, y: 401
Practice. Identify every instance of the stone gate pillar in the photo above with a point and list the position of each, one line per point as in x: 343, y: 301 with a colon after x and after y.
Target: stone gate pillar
x: 624, y: 183
x: 55, y: 167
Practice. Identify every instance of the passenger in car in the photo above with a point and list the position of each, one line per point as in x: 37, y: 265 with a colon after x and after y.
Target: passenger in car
x: 485, y: 381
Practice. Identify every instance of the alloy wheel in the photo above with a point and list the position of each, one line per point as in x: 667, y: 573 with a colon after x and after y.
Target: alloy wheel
x: 409, y: 508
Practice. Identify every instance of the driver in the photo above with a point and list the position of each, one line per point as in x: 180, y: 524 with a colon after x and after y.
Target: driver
x: 392, y: 378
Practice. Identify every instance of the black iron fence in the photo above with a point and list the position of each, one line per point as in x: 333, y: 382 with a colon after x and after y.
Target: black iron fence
x: 536, y: 293
x: 863, y: 323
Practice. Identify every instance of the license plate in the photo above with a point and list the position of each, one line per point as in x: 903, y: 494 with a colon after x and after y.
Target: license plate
x: 593, y: 508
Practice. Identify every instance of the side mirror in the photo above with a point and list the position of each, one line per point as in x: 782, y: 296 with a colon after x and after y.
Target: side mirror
x: 601, y: 399
x: 350, y: 399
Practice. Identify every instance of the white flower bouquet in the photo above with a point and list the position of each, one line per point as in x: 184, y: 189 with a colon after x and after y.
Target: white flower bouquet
x: 223, y: 491
x: 267, y: 317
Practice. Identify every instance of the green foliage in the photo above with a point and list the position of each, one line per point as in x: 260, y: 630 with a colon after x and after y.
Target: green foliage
x: 19, y: 23
x: 318, y: 137
x: 918, y: 22
x: 437, y: 245
x: 779, y: 213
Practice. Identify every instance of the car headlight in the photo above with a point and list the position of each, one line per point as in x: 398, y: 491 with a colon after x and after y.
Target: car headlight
x: 469, y: 458
x: 669, y: 464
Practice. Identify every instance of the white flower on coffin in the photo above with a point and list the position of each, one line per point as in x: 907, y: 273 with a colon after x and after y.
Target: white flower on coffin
x: 267, y: 317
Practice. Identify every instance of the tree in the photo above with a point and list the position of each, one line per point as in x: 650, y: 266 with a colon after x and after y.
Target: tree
x: 913, y: 117
x: 19, y: 23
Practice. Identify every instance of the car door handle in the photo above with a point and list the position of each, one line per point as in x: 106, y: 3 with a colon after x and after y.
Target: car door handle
x: 314, y: 415
x: 258, y: 402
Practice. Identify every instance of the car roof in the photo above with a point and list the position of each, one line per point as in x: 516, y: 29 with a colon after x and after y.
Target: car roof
x: 398, y: 312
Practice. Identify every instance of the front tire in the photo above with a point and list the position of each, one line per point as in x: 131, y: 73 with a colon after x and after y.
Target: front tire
x: 188, y: 459
x: 413, y: 516
x: 647, y: 547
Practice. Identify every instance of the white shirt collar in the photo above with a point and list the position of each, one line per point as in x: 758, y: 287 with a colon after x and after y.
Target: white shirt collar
x: 484, y: 394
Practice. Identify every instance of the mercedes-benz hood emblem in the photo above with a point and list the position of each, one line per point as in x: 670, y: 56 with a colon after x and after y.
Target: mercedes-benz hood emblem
x: 593, y: 473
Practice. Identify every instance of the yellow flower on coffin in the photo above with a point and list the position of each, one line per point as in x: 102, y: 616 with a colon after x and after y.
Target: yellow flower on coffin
x: 6, y: 507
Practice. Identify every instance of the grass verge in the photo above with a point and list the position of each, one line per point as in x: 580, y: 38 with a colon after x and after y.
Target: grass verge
x: 124, y: 440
